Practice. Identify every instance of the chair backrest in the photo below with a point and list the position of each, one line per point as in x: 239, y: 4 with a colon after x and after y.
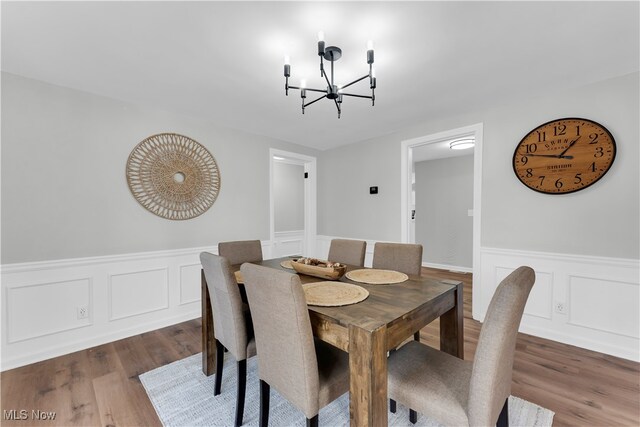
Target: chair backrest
x: 241, y: 251
x: 229, y: 323
x: 284, y: 340
x: 403, y: 257
x: 493, y: 361
x: 348, y: 251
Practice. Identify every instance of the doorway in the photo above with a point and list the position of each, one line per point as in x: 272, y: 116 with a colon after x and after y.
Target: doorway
x: 292, y: 203
x: 407, y: 190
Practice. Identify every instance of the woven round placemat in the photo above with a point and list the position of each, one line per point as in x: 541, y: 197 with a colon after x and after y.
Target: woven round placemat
x: 239, y: 277
x: 374, y: 276
x: 333, y: 294
x: 287, y: 264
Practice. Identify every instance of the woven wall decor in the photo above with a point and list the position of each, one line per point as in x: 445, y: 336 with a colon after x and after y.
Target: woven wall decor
x: 173, y: 176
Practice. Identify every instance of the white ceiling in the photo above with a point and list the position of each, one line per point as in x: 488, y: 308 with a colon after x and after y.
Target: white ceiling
x: 223, y: 61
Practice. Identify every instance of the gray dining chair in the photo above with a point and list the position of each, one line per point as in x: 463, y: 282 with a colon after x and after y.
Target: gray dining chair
x: 232, y: 324
x: 403, y: 257
x: 308, y: 373
x: 458, y: 392
x: 348, y: 251
x: 240, y: 251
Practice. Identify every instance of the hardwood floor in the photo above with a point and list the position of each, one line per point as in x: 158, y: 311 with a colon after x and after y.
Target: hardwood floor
x: 100, y: 386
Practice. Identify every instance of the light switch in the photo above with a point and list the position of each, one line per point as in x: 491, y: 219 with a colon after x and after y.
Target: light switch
x: 470, y: 212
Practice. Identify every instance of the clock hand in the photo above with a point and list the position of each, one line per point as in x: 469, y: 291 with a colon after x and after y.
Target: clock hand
x: 555, y: 156
x: 570, y: 145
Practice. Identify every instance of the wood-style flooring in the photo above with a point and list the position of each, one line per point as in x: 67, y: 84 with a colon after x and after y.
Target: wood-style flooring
x: 100, y: 386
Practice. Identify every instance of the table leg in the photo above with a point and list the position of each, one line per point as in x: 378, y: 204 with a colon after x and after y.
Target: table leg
x: 451, y: 327
x: 368, y: 376
x: 208, y: 338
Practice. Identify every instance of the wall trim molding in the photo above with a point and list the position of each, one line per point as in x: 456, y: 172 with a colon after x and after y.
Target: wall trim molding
x: 103, y: 259
x: 165, y: 272
x: 494, y: 263
x: 608, y: 300
x: 553, y: 256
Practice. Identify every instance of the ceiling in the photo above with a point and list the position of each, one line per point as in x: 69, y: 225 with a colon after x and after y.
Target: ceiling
x: 223, y: 61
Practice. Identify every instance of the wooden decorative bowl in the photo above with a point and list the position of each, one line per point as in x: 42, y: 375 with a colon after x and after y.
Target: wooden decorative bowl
x: 321, y: 270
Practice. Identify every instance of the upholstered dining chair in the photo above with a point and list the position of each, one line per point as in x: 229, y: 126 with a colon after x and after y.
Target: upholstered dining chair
x: 403, y: 257
x: 241, y: 251
x: 232, y: 324
x: 348, y: 251
x: 458, y: 392
x: 309, y: 373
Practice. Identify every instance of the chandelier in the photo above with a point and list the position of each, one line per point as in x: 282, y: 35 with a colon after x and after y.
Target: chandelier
x: 333, y: 92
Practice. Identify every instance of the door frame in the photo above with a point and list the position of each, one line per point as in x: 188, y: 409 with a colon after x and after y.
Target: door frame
x: 475, y: 130
x: 310, y: 197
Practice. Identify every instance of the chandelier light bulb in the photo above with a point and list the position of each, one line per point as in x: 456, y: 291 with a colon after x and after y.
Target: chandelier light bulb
x: 373, y: 73
x: 370, y: 45
x: 320, y: 36
x: 303, y: 83
x: 287, y: 60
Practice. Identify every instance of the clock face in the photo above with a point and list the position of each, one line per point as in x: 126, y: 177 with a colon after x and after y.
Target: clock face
x: 564, y: 156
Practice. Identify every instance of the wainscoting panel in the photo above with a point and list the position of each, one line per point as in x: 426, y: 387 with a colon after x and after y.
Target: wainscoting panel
x: 288, y: 243
x: 190, y: 283
x: 124, y: 295
x: 137, y: 293
x: 540, y: 301
x: 56, y: 301
x: 584, y: 290
x: 589, y: 302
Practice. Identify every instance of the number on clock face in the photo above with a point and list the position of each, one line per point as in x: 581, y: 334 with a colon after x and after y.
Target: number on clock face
x: 563, y: 156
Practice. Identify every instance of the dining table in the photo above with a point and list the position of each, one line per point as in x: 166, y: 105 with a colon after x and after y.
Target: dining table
x: 368, y: 330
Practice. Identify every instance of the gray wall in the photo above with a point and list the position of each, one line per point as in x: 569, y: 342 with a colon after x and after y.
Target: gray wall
x: 64, y: 192
x: 444, y: 194
x: 288, y: 194
x: 601, y: 220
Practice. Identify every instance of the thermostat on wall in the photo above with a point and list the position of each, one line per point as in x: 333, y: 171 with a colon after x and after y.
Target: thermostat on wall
x: 373, y: 190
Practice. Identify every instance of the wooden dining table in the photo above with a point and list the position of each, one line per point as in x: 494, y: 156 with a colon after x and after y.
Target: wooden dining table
x: 368, y: 330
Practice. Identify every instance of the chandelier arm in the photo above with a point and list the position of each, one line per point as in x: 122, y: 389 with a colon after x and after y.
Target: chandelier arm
x: 357, y: 96
x: 309, y: 89
x: 337, y: 105
x: 315, y: 100
x: 355, y: 81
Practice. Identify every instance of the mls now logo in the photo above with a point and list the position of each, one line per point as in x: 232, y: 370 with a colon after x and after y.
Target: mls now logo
x: 23, y: 414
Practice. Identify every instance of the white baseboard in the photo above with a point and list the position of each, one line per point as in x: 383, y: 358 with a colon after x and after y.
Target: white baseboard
x: 88, y: 342
x: 454, y: 268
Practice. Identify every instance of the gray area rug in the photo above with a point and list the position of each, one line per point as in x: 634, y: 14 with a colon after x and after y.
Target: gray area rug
x: 183, y: 396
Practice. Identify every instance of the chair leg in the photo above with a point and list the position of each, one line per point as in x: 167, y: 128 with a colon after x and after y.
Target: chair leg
x: 242, y: 386
x: 265, y: 391
x: 503, y: 418
x: 392, y: 406
x: 312, y: 422
x: 413, y: 416
x: 219, y: 363
x: 416, y: 336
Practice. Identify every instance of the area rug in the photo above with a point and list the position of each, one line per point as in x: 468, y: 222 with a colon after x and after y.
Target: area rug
x: 183, y: 396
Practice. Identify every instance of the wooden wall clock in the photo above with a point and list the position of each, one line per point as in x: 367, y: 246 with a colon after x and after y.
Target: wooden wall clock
x: 563, y: 156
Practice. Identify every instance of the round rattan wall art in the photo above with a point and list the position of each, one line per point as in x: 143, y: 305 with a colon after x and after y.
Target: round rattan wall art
x: 173, y: 176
